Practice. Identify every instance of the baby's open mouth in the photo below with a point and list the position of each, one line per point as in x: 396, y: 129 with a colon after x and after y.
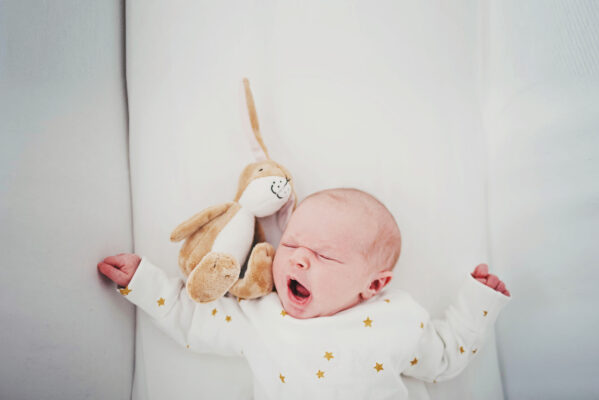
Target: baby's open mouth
x: 299, y: 292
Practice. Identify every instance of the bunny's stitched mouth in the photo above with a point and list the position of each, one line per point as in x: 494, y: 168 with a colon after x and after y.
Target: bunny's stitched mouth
x: 273, y: 190
x: 272, y: 187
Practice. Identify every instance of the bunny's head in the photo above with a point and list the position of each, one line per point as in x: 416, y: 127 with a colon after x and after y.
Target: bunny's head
x: 264, y: 188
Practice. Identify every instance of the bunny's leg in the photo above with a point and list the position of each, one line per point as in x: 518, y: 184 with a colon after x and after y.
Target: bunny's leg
x: 258, y: 280
x: 212, y: 277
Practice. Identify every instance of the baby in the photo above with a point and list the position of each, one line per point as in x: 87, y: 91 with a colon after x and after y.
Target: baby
x: 337, y: 253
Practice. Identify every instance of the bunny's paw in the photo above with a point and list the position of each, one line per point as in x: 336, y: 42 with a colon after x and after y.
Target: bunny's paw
x: 212, y: 277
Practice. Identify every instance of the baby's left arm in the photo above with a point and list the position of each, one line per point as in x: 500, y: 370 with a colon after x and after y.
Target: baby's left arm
x: 447, y: 345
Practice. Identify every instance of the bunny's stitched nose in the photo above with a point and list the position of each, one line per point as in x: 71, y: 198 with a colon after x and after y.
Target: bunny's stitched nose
x: 280, y: 187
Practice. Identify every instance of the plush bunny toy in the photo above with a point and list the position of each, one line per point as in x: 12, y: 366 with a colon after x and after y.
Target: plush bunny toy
x: 219, y: 238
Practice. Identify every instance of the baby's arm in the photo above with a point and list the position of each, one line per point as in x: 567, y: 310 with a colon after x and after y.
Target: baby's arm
x: 447, y: 345
x: 215, y: 327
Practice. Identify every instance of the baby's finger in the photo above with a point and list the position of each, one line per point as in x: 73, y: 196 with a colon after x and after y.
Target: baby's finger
x: 481, y: 271
x: 492, y: 281
x: 500, y: 287
x: 506, y: 292
x: 117, y: 261
x: 482, y: 280
x: 114, y: 274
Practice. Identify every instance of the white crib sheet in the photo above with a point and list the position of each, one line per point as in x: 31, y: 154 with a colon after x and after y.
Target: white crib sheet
x: 381, y: 98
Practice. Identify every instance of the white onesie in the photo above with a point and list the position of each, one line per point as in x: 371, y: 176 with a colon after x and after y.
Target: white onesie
x: 359, y: 353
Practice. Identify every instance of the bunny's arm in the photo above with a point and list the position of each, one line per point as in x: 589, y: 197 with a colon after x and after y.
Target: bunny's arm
x: 198, y: 220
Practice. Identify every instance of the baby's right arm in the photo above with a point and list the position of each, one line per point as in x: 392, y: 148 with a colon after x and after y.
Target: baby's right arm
x: 218, y: 327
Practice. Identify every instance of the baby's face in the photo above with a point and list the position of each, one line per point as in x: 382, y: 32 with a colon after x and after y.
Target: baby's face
x: 319, y: 268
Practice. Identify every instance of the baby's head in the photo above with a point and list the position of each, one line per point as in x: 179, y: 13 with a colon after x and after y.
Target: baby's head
x: 339, y: 249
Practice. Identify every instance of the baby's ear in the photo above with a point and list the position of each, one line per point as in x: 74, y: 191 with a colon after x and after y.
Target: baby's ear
x: 382, y: 279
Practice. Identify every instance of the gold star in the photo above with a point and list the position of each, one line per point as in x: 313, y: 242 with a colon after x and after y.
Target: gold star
x: 461, y: 349
x: 239, y: 299
x: 188, y: 346
x: 328, y: 355
x: 422, y: 325
x: 125, y: 291
x: 160, y: 301
x: 320, y: 374
x: 414, y: 361
x: 283, y: 313
x: 474, y: 351
x: 387, y: 300
x: 214, y: 312
x: 228, y: 318
x: 378, y: 367
x: 281, y: 377
x: 435, y: 381
x: 485, y: 313
x: 367, y: 322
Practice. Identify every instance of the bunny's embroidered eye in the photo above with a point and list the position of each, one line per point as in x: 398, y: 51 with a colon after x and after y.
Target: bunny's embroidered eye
x: 260, y: 170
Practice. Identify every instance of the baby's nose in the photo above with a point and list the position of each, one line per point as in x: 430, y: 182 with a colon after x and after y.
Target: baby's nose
x: 300, y: 258
x: 302, y: 264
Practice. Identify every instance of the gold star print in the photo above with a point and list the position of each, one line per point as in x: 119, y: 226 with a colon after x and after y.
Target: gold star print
x: 228, y: 318
x: 283, y: 313
x: 282, y: 378
x: 414, y: 361
x: 160, y: 301
x: 328, y: 355
x: 320, y: 374
x: 387, y: 300
x: 125, y: 291
x: 239, y: 299
x: 474, y: 351
x: 461, y: 349
x: 187, y: 346
x: 378, y: 367
x: 367, y: 322
x: 422, y: 325
x: 484, y: 313
x: 434, y: 381
x: 214, y: 312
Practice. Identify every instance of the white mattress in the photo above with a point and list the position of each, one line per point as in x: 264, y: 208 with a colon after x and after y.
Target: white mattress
x: 380, y: 98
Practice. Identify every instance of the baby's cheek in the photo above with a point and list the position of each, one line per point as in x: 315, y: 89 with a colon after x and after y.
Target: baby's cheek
x: 278, y: 272
x: 331, y: 286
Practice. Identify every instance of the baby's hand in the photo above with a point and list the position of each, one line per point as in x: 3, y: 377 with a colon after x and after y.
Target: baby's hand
x: 481, y: 274
x: 120, y: 268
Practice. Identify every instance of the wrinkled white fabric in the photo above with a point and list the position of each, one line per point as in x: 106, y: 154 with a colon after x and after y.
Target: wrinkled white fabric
x: 361, y: 352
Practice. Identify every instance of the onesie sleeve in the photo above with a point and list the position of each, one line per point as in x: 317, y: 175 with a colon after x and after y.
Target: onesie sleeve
x: 447, y: 345
x: 214, y: 327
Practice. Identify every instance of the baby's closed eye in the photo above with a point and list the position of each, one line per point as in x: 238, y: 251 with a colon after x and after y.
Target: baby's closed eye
x: 326, y: 258
x: 319, y: 255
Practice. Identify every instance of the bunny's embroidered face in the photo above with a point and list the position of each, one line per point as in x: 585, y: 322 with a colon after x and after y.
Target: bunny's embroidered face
x: 264, y: 187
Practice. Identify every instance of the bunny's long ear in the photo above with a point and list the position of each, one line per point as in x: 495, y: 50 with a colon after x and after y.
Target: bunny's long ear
x: 285, y: 212
x: 274, y: 225
x: 251, y: 126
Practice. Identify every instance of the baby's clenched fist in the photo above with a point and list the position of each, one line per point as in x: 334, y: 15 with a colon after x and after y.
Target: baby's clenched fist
x: 120, y: 268
x: 481, y: 274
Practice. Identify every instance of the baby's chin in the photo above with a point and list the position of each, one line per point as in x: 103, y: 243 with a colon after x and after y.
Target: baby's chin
x: 306, y: 313
x: 300, y: 315
x: 296, y: 311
